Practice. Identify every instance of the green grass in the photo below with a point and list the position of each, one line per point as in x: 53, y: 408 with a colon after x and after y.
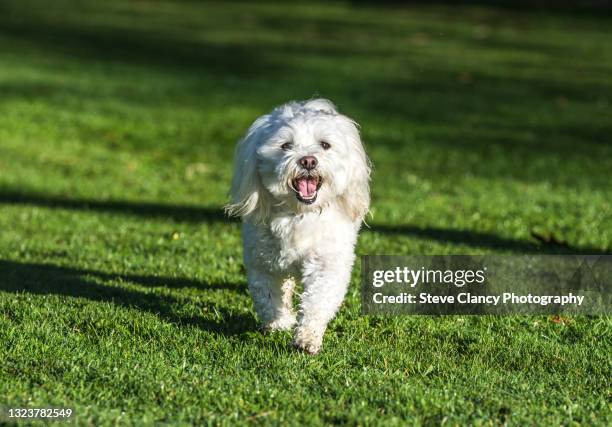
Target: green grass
x: 122, y: 292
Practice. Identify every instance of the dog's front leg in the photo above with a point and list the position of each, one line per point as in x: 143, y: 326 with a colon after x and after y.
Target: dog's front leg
x: 272, y: 299
x: 325, y: 285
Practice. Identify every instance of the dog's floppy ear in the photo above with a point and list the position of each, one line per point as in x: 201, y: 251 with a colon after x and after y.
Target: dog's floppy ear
x: 247, y: 196
x: 355, y: 201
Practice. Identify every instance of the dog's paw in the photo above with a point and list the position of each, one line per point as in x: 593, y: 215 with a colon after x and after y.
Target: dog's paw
x: 284, y: 323
x: 307, y: 341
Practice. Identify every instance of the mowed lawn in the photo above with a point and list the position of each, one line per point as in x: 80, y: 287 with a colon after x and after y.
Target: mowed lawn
x: 122, y: 291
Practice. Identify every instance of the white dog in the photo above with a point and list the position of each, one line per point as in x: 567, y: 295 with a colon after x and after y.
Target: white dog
x: 301, y: 186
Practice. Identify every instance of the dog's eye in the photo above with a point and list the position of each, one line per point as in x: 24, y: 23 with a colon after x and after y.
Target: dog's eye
x: 286, y: 146
x: 326, y: 145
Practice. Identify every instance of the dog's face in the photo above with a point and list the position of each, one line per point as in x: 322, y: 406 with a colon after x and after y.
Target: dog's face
x: 303, y: 156
x: 304, y: 163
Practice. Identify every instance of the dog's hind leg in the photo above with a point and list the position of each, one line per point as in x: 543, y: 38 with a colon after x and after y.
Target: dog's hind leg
x: 272, y: 297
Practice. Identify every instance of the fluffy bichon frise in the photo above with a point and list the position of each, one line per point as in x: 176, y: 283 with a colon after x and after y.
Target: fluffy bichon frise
x: 301, y: 186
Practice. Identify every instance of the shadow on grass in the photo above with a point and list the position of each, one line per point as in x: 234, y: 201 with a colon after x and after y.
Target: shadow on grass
x: 152, y: 46
x: 143, y: 209
x: 589, y: 7
x: 215, y: 215
x: 485, y: 240
x: 44, y: 279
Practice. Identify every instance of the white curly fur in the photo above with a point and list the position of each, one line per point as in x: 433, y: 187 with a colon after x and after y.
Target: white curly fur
x: 285, y: 238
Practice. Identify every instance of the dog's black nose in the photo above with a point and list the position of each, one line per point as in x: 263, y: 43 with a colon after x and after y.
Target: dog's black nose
x: 308, y: 162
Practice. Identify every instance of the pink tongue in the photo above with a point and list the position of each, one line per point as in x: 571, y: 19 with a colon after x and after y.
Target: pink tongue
x: 307, y: 186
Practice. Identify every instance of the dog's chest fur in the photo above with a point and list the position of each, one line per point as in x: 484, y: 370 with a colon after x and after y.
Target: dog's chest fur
x: 290, y: 239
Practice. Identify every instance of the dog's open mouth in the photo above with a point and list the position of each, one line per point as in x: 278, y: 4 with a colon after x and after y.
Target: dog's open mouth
x: 306, y: 188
